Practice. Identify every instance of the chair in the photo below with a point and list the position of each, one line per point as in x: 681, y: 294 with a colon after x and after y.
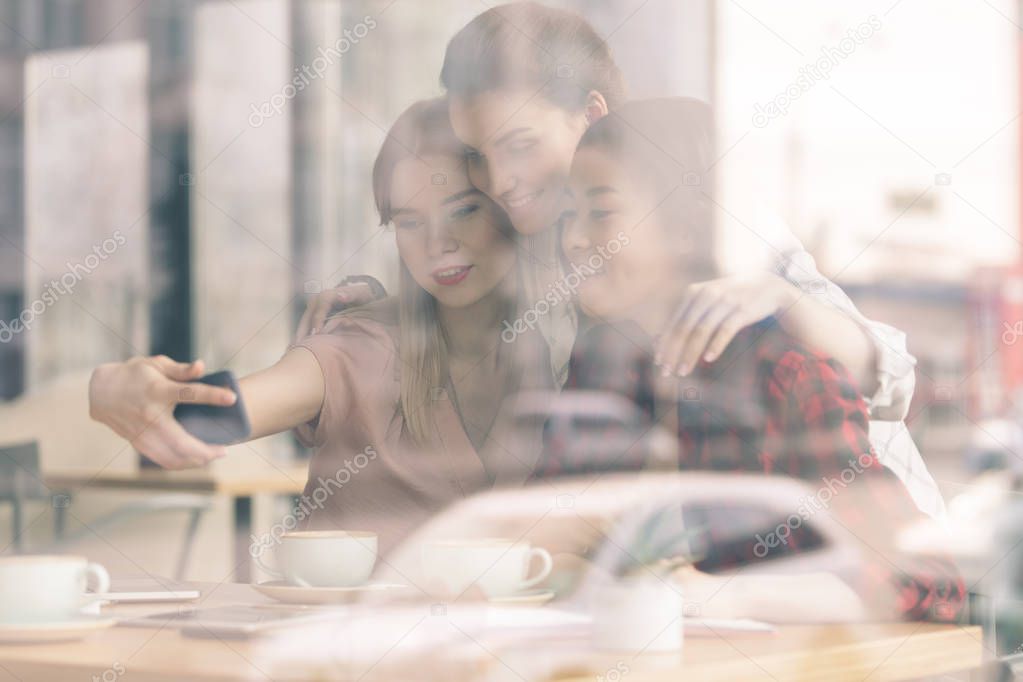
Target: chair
x: 21, y: 481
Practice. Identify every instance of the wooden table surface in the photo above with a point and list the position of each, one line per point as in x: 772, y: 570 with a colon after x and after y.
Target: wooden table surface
x: 811, y: 653
x: 240, y: 485
x: 282, y: 479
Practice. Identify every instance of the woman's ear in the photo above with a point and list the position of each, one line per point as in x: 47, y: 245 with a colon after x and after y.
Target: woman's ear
x: 596, y: 107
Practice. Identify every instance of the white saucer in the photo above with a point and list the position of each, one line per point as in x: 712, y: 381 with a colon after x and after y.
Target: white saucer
x: 293, y: 594
x: 63, y: 631
x: 529, y: 598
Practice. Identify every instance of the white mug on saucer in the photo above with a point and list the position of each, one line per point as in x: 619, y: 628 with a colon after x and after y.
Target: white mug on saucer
x: 48, y: 588
x: 638, y: 614
x: 325, y: 558
x: 499, y: 567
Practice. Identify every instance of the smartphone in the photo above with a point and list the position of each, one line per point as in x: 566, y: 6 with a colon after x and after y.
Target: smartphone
x: 215, y: 424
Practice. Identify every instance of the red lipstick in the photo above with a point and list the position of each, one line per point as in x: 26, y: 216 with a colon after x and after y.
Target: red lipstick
x: 451, y: 276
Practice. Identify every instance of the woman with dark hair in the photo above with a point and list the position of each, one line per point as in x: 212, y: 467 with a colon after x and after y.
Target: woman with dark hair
x: 770, y: 406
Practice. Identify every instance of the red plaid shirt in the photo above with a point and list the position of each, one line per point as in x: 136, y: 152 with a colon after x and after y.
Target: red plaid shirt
x: 769, y: 405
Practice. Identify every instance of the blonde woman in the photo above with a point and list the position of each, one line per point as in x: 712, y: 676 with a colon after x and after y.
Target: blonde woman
x: 402, y: 395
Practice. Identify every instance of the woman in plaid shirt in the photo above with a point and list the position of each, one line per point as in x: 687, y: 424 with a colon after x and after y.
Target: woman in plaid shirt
x: 767, y: 404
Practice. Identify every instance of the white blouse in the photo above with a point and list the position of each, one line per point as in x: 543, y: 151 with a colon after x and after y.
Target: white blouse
x: 889, y: 437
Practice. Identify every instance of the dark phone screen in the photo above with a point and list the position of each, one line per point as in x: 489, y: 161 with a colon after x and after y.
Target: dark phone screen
x: 213, y: 424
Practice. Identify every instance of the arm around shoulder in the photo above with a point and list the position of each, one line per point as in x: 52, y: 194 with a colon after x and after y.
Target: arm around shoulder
x: 875, y: 353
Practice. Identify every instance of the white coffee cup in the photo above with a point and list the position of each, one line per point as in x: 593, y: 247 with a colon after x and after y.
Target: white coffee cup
x: 499, y: 567
x: 638, y: 614
x: 326, y: 558
x: 48, y: 588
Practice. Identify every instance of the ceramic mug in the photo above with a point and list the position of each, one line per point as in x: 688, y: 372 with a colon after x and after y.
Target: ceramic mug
x: 638, y: 614
x: 327, y: 558
x: 48, y: 588
x: 499, y: 567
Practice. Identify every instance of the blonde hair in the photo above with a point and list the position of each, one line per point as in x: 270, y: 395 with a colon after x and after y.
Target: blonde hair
x: 423, y: 129
x: 423, y: 353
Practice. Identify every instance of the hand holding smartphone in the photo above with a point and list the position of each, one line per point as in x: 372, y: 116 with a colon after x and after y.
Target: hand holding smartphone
x: 214, y: 424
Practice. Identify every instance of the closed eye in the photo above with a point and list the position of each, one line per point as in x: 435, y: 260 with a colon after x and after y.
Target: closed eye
x: 521, y: 145
x: 597, y: 214
x: 464, y: 211
x: 565, y: 217
x: 407, y: 224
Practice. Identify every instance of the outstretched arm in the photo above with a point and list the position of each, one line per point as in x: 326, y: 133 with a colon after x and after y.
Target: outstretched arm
x: 136, y: 399
x: 285, y: 395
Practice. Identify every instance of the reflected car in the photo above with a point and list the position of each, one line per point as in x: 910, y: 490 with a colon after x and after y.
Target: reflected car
x: 603, y: 525
x: 596, y: 430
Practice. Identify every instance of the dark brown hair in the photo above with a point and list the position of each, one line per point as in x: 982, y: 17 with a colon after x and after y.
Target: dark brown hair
x: 669, y: 144
x: 525, y: 44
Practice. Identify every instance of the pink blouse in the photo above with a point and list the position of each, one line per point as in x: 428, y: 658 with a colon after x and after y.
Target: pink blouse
x: 366, y: 473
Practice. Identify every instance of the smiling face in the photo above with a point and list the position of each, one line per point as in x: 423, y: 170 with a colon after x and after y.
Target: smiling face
x: 604, y: 200
x: 519, y: 151
x: 449, y: 235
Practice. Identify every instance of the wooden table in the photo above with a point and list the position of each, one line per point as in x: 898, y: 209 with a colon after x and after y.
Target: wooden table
x: 811, y: 653
x: 240, y: 486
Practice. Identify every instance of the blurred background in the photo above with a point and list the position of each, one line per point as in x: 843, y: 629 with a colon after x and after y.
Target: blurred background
x: 166, y: 186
